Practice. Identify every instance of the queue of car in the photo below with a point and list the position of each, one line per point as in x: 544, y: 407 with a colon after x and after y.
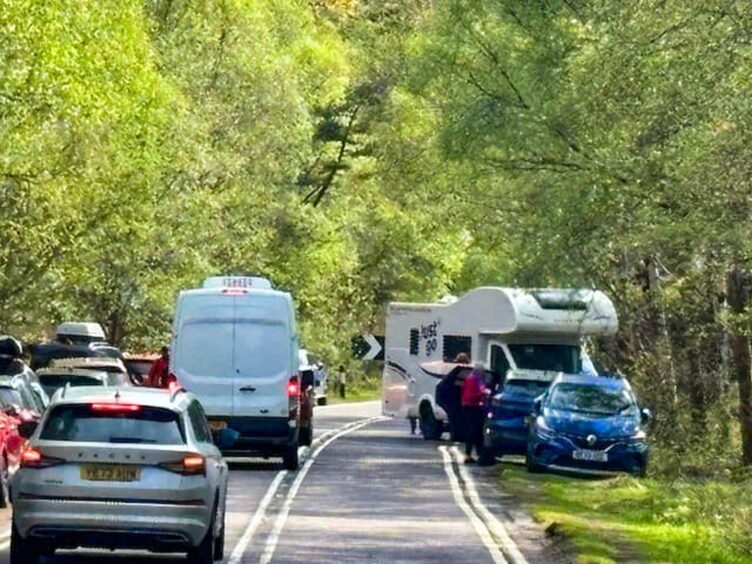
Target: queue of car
x: 108, y: 463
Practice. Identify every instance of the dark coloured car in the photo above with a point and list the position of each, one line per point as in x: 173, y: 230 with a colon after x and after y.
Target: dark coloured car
x: 589, y: 424
x: 507, y: 426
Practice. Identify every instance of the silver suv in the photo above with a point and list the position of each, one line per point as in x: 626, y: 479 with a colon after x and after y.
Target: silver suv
x: 115, y: 468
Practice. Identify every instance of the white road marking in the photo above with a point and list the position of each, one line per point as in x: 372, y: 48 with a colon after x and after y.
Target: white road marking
x: 272, y: 541
x: 257, y: 519
x: 496, y: 527
x: 459, y: 498
x: 260, y: 513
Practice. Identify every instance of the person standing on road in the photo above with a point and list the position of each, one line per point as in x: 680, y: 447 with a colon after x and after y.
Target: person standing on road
x: 474, y: 393
x: 341, y: 381
x: 159, y: 373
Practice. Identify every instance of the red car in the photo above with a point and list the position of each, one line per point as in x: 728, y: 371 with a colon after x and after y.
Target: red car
x: 13, y: 415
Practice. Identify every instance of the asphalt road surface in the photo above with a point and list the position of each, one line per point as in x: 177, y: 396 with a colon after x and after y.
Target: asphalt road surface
x: 366, y: 492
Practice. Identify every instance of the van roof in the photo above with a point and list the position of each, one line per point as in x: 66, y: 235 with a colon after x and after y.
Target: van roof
x: 234, y: 281
x: 235, y: 291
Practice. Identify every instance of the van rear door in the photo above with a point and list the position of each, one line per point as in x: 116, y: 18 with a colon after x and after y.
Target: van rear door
x: 262, y: 368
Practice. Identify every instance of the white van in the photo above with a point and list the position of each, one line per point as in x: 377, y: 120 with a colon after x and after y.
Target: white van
x: 535, y: 332
x: 235, y: 347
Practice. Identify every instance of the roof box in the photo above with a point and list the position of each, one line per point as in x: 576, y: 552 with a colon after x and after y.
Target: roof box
x: 81, y: 329
x: 10, y: 346
x: 254, y: 282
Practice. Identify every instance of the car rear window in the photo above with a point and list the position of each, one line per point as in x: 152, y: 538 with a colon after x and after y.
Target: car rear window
x: 60, y: 380
x: 85, y: 423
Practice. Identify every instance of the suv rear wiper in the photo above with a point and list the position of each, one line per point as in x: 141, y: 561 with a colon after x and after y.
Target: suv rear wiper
x: 130, y: 440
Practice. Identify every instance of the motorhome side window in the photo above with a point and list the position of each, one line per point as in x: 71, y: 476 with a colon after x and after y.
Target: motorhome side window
x: 456, y: 344
x: 414, y: 342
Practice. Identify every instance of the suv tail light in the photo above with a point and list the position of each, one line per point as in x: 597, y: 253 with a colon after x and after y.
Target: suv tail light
x: 293, y: 387
x: 32, y: 458
x: 115, y: 407
x: 189, y: 465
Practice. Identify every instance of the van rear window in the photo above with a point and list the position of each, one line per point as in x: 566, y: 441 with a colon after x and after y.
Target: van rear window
x: 87, y: 424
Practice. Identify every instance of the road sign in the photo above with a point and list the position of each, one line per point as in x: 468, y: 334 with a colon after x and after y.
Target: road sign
x: 368, y: 347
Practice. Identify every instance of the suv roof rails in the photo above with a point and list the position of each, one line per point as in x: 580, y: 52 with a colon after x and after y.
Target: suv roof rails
x: 175, y: 391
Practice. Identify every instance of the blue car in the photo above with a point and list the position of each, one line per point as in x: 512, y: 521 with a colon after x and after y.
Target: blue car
x: 588, y: 424
x: 507, y: 427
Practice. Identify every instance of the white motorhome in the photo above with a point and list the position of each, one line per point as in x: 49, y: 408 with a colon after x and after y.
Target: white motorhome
x: 235, y: 347
x: 535, y: 331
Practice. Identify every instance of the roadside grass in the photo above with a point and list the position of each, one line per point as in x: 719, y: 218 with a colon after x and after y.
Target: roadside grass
x: 647, y: 520
x: 360, y: 391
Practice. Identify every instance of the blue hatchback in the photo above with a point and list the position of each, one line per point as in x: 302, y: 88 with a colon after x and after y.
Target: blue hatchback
x: 589, y: 424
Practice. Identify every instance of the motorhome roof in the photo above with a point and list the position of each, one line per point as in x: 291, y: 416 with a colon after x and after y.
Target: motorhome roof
x: 232, y: 281
x: 496, y: 311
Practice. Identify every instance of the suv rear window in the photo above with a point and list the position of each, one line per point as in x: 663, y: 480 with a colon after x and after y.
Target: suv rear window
x: 60, y: 380
x: 82, y: 423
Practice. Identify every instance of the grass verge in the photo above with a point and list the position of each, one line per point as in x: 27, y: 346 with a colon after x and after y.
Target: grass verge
x: 647, y: 520
x: 361, y: 391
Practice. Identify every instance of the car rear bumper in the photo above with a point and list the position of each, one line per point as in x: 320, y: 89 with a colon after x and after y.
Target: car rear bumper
x: 162, y: 526
x: 262, y: 435
x: 623, y: 456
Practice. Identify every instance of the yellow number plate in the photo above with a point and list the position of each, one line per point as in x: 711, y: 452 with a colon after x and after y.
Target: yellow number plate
x: 110, y: 473
x: 217, y: 425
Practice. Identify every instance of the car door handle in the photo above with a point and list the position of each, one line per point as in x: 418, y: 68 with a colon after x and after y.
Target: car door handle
x: 247, y: 389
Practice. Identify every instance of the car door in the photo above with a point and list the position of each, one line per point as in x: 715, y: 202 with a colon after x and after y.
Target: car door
x: 263, y: 364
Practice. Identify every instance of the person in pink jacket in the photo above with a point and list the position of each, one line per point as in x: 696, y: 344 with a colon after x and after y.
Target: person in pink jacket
x: 474, y: 394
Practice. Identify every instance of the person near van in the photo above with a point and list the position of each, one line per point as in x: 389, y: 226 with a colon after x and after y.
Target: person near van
x: 474, y: 394
x: 342, y: 382
x: 159, y: 373
x: 448, y: 399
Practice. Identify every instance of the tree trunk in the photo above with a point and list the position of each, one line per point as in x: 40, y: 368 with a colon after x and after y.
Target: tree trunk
x: 738, y: 291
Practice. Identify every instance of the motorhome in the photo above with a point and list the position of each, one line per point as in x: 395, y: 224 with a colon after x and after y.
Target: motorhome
x: 535, y: 331
x: 235, y: 347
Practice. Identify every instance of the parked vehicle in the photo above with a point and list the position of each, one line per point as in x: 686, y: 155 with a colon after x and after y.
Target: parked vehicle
x: 162, y: 488
x: 590, y: 424
x: 540, y: 331
x: 138, y: 366
x: 507, y: 426
x: 12, y: 365
x: 113, y: 366
x: 11, y: 442
x: 53, y: 379
x: 73, y: 340
x: 18, y: 389
x: 235, y: 347
x: 307, y: 361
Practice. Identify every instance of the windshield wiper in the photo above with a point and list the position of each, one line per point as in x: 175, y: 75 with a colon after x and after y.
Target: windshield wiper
x: 130, y: 440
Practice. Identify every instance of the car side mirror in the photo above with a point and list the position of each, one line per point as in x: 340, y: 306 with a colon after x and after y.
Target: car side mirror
x: 645, y: 415
x: 537, y: 407
x: 307, y: 379
x: 27, y: 428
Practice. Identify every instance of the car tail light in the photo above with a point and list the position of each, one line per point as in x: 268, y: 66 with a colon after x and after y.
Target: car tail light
x: 115, y: 407
x: 32, y: 458
x: 189, y: 465
x: 293, y: 387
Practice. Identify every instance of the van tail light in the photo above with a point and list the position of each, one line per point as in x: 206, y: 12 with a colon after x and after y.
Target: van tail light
x: 189, y: 465
x: 293, y: 387
x: 32, y: 458
x: 115, y: 407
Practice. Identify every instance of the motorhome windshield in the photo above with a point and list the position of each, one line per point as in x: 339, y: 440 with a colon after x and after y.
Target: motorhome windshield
x: 556, y: 358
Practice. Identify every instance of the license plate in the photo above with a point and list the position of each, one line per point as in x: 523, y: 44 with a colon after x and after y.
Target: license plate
x: 217, y: 425
x: 110, y: 473
x: 590, y: 455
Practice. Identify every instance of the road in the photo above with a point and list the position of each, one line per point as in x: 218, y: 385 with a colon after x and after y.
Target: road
x: 366, y: 491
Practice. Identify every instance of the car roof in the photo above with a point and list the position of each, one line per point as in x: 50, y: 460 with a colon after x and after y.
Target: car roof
x: 152, y: 397
x: 84, y: 361
x: 63, y: 370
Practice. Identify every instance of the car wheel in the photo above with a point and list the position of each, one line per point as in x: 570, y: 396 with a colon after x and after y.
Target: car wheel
x: 219, y: 544
x: 430, y: 427
x: 290, y: 458
x: 22, y: 551
x: 306, y: 435
x: 204, y: 552
x: 4, y: 485
x: 531, y: 464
